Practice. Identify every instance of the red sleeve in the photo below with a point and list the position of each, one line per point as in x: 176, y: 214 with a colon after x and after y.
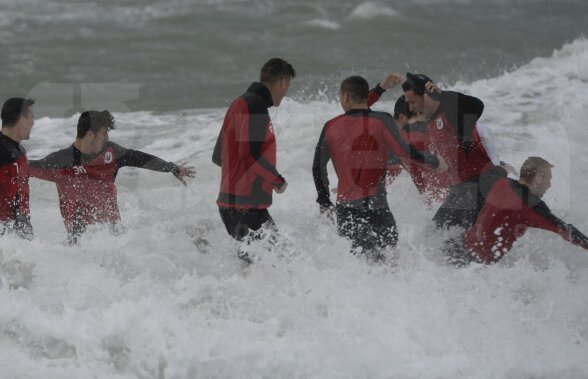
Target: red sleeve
x: 39, y: 172
x: 8, y: 191
x: 375, y: 94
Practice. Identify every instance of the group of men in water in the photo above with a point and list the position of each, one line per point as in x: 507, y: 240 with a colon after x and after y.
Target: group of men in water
x: 84, y: 172
x: 434, y: 135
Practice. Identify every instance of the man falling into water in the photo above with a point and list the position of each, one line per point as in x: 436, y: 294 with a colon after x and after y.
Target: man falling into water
x: 246, y: 152
x: 85, y: 173
x: 510, y: 208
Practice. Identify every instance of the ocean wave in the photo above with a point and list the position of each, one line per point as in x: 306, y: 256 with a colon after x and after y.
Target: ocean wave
x: 367, y: 10
x: 155, y: 303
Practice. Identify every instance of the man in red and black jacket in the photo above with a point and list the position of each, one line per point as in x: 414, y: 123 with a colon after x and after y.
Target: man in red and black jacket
x: 17, y: 122
x: 246, y: 152
x: 510, y: 208
x: 85, y: 173
x: 359, y: 142
x: 452, y: 119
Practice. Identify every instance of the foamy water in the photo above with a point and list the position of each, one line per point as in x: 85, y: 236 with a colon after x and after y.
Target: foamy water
x: 169, y: 298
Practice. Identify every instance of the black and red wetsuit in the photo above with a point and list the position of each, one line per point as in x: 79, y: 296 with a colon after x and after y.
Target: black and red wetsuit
x: 510, y: 208
x: 359, y: 142
x: 428, y: 181
x: 454, y: 136
x: 14, y: 188
x: 85, y: 183
x: 246, y: 151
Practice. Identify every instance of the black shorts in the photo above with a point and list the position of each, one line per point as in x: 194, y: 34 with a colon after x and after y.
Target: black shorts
x: 370, y: 229
x: 241, y: 223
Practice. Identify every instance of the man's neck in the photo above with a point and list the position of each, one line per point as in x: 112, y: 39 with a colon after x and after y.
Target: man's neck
x: 353, y: 106
x: 12, y: 133
x: 81, y: 146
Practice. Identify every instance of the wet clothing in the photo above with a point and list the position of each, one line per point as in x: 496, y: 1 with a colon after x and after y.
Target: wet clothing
x: 453, y: 135
x: 85, y: 183
x: 510, y: 208
x: 370, y: 228
x: 359, y: 142
x: 429, y: 182
x: 246, y: 151
x: 14, y: 189
x: 242, y: 223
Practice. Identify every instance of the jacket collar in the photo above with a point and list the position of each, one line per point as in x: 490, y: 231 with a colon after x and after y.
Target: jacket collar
x: 262, y: 91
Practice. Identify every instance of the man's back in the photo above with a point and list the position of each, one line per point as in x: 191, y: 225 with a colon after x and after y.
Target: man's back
x: 356, y: 144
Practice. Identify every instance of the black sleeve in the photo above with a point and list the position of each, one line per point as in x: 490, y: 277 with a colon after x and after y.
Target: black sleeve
x: 319, y: 170
x: 258, y: 125
x: 578, y: 238
x: 216, y: 154
x: 463, y: 111
x: 135, y: 158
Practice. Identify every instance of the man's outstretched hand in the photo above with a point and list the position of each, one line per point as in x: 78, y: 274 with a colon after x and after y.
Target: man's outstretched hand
x: 184, y: 171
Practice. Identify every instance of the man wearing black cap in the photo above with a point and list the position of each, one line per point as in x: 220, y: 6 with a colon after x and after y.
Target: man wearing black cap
x: 452, y: 119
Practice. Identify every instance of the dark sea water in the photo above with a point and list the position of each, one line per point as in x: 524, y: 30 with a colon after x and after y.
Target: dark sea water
x: 179, y: 54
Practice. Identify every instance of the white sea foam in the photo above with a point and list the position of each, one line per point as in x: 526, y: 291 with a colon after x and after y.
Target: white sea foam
x: 324, y: 24
x: 371, y: 10
x: 158, y: 302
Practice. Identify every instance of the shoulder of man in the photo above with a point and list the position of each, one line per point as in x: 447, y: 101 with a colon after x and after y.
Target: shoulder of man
x: 58, y: 159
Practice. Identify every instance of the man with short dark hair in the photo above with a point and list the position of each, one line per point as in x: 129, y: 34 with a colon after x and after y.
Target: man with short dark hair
x: 452, y: 119
x: 510, y: 208
x: 17, y: 121
x: 359, y: 142
x: 246, y: 152
x: 85, y: 173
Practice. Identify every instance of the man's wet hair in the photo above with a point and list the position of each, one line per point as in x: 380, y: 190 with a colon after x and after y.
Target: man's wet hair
x: 15, y: 108
x: 357, y: 88
x: 94, y: 121
x: 531, y: 167
x: 402, y: 107
x: 276, y: 69
x: 416, y: 83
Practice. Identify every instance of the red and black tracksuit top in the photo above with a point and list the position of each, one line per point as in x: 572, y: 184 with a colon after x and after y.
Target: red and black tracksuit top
x: 509, y: 209
x: 454, y: 136
x: 85, y: 182
x: 14, y: 187
x: 358, y: 142
x: 428, y: 181
x: 246, y: 151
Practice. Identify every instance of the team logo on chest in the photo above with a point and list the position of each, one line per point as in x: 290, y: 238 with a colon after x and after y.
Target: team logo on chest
x: 439, y: 123
x: 108, y: 157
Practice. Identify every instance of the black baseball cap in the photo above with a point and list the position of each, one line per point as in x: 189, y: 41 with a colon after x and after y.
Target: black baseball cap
x: 415, y: 82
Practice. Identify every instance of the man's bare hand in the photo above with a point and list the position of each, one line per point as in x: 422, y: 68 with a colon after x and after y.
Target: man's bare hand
x: 184, y: 171
x: 390, y: 81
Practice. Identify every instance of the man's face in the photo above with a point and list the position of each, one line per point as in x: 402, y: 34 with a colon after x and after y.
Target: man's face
x: 282, y: 89
x: 541, y: 182
x: 415, y: 102
x: 27, y: 123
x: 98, y: 139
